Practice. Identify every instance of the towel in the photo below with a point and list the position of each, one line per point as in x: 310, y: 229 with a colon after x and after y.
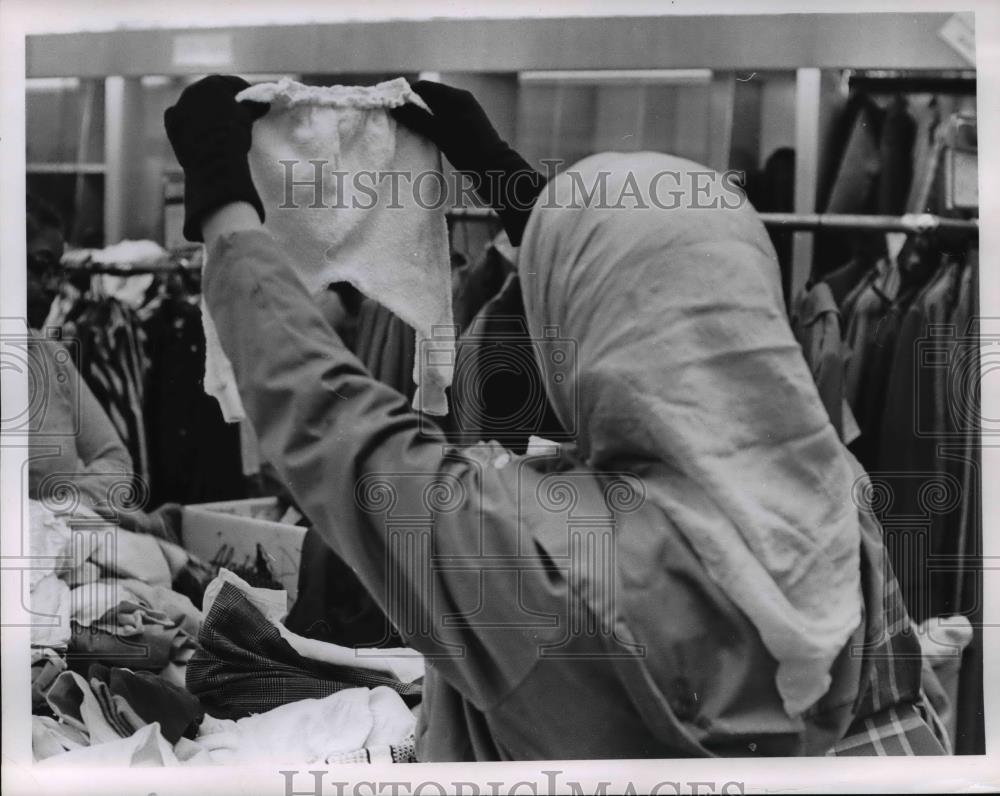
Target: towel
x: 391, y: 244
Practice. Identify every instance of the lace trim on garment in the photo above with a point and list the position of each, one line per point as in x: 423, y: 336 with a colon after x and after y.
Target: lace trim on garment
x: 287, y: 93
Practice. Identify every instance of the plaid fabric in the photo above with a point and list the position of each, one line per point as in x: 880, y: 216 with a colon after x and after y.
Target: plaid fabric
x: 892, y: 656
x: 245, y: 666
x: 888, y: 720
x: 899, y: 730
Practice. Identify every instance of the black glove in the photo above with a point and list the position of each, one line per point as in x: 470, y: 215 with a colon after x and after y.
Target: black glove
x: 211, y: 134
x: 462, y: 131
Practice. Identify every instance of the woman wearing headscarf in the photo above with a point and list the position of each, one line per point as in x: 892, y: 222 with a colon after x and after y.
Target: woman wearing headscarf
x: 698, y: 576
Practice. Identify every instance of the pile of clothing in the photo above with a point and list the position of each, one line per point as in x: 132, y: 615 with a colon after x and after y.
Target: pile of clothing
x: 143, y: 655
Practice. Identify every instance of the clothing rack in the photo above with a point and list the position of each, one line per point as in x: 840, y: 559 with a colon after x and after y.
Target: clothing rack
x: 912, y: 223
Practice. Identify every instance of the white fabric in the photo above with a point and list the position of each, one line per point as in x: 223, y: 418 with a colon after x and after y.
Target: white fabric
x: 309, y: 730
x: 93, y: 600
x: 50, y: 608
x: 133, y: 555
x: 50, y: 542
x: 392, y: 721
x: 943, y: 639
x: 220, y: 380
x: 404, y: 664
x: 50, y: 545
x: 147, y: 747
x: 49, y: 738
x: 392, y: 248
x: 687, y: 373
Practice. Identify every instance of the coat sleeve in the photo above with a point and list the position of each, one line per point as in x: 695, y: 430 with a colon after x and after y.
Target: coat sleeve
x: 376, y: 480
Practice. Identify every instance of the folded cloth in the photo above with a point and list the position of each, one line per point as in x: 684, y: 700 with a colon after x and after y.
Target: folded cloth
x: 83, y: 573
x: 387, y: 237
x: 153, y: 646
x: 104, y: 699
x: 131, y: 619
x: 127, y: 713
x: 133, y: 555
x: 157, y: 603
x: 74, y: 704
x: 92, y: 601
x: 144, y: 748
x: 342, y: 725
x: 154, y: 700
x: 178, y: 607
x: 244, y: 666
x: 50, y: 606
x: 46, y: 666
x: 49, y: 737
x: 49, y: 542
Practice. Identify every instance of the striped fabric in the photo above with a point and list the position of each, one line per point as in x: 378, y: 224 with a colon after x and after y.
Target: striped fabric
x: 404, y: 752
x: 114, y: 365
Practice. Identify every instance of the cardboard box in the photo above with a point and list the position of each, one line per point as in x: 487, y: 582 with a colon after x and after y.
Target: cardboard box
x: 242, y: 525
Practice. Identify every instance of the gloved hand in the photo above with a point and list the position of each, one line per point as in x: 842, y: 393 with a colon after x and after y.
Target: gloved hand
x: 211, y: 134
x: 462, y: 131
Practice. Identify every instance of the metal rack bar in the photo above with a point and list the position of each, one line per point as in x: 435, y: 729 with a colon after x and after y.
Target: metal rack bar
x: 912, y: 223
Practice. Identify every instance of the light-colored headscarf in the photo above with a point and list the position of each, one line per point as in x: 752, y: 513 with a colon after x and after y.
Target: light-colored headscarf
x: 688, y: 374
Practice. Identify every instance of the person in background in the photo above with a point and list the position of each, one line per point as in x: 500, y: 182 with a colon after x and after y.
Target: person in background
x: 741, y: 587
x: 74, y: 448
